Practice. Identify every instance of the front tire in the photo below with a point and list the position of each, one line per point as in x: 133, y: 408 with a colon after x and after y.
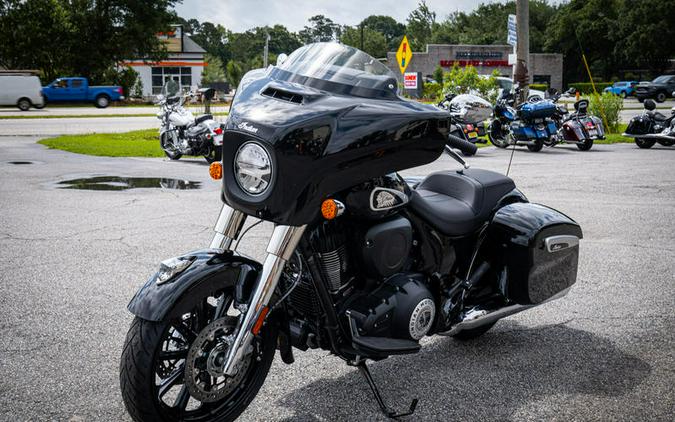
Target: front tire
x: 644, y: 143
x: 153, y: 370
x: 496, y: 134
x: 586, y: 145
x: 623, y: 94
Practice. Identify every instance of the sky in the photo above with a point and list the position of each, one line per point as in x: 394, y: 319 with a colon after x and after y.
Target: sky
x: 240, y: 15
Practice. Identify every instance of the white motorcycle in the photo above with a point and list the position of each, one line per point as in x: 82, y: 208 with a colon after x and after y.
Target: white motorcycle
x: 180, y: 133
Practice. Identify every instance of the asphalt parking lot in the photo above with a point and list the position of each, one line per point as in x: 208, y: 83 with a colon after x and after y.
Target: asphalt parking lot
x: 71, y: 260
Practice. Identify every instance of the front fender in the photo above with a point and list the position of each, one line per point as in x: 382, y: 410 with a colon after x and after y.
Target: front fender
x: 211, y: 270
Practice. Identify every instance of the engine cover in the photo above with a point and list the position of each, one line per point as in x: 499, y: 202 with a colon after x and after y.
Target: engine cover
x: 387, y: 247
x: 402, y: 307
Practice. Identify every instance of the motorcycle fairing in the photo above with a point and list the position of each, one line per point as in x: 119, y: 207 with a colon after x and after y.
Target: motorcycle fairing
x: 321, y: 143
x: 211, y: 270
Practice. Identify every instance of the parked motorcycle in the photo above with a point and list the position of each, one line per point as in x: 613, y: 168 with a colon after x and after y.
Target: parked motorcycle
x: 468, y: 114
x: 359, y: 263
x: 579, y: 127
x: 651, y: 127
x: 530, y: 123
x: 180, y: 133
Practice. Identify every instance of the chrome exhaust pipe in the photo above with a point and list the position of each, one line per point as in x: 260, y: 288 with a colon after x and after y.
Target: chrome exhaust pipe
x: 478, y: 316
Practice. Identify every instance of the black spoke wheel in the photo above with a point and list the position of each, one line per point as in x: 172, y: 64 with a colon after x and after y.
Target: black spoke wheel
x: 167, y: 367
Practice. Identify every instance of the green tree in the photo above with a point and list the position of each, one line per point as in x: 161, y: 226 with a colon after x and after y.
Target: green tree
x: 463, y: 80
x: 80, y: 37
x: 644, y: 34
x: 214, y: 71
x: 421, y: 24
x: 374, y: 42
x: 438, y: 74
x: 234, y: 71
x: 320, y: 29
x: 392, y: 30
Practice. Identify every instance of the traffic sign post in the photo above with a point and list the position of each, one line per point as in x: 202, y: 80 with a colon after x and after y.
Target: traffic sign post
x: 512, y: 37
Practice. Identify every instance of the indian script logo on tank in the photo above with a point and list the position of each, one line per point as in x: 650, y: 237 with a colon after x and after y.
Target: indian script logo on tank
x: 247, y: 127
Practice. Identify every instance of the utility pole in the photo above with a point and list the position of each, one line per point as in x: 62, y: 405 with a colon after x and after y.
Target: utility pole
x: 267, y: 49
x: 523, y: 47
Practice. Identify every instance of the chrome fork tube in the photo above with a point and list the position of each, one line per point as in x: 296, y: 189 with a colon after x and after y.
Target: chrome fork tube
x: 228, y: 227
x: 279, y: 250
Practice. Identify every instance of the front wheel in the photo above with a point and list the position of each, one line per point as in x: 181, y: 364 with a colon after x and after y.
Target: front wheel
x: 644, y: 143
x: 623, y: 94
x: 169, y: 370
x: 497, y: 135
x: 586, y: 145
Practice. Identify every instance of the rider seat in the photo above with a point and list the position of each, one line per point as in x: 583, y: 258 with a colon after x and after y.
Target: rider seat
x: 656, y: 116
x: 458, y: 203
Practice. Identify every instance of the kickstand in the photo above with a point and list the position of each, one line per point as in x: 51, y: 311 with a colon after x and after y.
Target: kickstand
x: 387, y: 411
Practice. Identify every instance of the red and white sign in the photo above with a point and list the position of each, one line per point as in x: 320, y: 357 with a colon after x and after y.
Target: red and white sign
x: 410, y: 80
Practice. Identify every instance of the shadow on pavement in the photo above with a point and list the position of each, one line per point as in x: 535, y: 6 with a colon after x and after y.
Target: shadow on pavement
x: 485, y: 379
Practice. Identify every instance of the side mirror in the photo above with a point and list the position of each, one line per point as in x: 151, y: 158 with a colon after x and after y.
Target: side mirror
x: 281, y: 58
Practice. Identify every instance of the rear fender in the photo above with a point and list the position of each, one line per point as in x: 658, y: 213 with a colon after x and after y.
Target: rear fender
x: 211, y: 270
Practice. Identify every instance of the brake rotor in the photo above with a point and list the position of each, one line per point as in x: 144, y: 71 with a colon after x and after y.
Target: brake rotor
x: 204, y: 376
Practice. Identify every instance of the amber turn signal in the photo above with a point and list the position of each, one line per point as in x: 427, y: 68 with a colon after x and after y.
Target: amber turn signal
x: 330, y: 208
x: 216, y: 171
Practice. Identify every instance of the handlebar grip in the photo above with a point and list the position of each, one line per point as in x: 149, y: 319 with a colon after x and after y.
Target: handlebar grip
x: 466, y: 147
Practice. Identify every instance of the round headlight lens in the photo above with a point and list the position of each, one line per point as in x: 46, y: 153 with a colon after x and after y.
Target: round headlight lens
x: 253, y: 168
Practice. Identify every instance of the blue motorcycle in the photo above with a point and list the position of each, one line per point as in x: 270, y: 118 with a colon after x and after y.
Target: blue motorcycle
x: 530, y: 124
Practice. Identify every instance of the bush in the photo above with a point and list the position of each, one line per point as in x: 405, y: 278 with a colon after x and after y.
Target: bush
x: 465, y: 80
x: 611, y: 105
x: 587, y: 88
x: 438, y: 74
x: 431, y: 90
x: 540, y: 87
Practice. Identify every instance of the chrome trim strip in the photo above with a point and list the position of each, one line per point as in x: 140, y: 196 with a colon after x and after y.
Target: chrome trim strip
x: 559, y: 243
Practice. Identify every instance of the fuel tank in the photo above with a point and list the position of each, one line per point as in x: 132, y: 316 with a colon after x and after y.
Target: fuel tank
x: 322, y: 140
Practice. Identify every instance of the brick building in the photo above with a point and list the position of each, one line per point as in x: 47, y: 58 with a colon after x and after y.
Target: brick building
x: 544, y: 68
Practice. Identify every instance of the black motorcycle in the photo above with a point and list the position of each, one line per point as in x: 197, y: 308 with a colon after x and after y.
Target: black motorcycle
x: 360, y: 263
x: 651, y: 127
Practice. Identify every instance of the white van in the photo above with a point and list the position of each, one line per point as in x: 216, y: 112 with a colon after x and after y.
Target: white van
x: 19, y: 89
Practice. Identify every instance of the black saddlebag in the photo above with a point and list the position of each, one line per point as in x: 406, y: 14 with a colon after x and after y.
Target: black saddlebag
x: 537, y: 250
x: 639, y: 125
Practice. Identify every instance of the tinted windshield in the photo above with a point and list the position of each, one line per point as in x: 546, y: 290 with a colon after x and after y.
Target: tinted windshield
x: 341, y: 68
x: 170, y: 88
x: 661, y: 79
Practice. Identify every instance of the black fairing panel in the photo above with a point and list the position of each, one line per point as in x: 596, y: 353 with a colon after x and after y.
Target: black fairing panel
x: 210, y: 271
x: 323, y: 143
x: 532, y: 273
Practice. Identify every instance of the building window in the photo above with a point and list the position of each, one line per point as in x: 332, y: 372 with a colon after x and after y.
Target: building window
x: 160, y: 75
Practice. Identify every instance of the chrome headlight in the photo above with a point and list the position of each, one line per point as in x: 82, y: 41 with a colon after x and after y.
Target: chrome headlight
x: 253, y: 168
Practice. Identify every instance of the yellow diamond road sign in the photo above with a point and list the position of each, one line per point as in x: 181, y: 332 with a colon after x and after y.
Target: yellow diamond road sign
x: 404, y: 54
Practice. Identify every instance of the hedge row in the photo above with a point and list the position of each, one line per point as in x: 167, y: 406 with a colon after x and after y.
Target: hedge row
x: 587, y: 88
x: 539, y: 87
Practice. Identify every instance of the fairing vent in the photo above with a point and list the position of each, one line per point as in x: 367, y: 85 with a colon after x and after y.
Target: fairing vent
x: 283, y: 95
